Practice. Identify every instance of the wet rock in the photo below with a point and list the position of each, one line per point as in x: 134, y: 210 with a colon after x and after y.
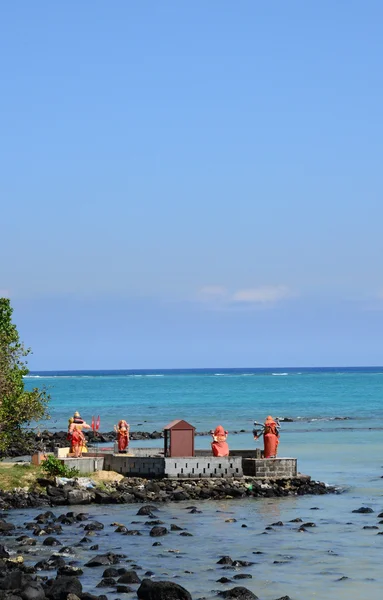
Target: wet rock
x: 308, y: 525
x: 277, y: 524
x: 66, y: 520
x: 4, y: 553
x: 71, y: 571
x: 223, y: 580
x: 111, y: 572
x: 146, y: 510
x: 363, y: 510
x: 121, y: 529
x: 370, y: 527
x: 67, y: 550
x: 243, y: 576
x: 123, y: 589
x: 6, y: 528
x: 63, y: 586
x: 101, y: 497
x: 178, y: 496
x: 158, y: 531
x: 81, y: 497
x: 12, y: 581
x: 132, y: 532
x: 51, y: 563
x: 129, y: 577
x: 107, y: 582
x: 45, y: 517
x: 225, y: 560
x: 94, y: 526
x: 174, y: 527
x: 153, y: 522
x: 162, y: 590
x: 241, y: 593
x: 103, y: 560
x: 297, y: 520
x: 51, y: 541
x: 95, y: 547
x: 157, y: 544
x: 33, y: 590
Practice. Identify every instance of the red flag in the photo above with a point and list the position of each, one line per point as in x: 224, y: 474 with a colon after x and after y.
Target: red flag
x: 93, y: 423
x: 98, y: 423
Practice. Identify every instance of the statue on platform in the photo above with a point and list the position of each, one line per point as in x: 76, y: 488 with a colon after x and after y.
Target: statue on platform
x: 122, y: 430
x: 75, y: 435
x: 270, y: 431
x: 219, y: 444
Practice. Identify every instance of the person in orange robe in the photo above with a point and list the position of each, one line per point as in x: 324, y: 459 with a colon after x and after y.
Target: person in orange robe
x: 219, y: 444
x: 270, y: 432
x: 76, y: 436
x: 78, y: 441
x: 122, y: 430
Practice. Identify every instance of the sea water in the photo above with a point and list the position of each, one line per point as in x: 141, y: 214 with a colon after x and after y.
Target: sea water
x: 336, y: 434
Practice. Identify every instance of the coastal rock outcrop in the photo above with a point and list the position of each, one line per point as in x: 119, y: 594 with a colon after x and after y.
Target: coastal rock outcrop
x: 162, y: 590
x: 138, y: 490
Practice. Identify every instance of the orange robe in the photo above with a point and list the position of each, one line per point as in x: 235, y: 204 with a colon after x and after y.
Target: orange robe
x: 219, y: 444
x: 270, y: 439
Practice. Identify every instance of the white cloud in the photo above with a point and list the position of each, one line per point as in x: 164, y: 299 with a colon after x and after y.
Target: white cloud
x: 263, y: 294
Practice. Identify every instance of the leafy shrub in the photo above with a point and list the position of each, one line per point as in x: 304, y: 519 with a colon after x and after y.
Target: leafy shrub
x: 54, y: 467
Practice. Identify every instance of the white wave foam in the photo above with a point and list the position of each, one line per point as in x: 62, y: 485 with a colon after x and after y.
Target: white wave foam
x: 279, y: 374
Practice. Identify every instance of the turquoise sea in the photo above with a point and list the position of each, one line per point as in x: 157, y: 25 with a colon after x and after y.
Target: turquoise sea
x: 336, y: 434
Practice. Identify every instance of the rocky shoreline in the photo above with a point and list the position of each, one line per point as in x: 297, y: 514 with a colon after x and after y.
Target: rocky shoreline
x: 136, y: 490
x: 36, y: 565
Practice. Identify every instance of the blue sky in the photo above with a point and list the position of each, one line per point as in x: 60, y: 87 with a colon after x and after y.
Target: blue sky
x: 193, y: 184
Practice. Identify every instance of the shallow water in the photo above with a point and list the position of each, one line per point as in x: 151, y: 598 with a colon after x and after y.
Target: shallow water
x: 346, y: 453
x: 303, y: 565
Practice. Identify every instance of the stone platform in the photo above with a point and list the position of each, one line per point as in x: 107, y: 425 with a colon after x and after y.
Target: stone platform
x: 150, y: 464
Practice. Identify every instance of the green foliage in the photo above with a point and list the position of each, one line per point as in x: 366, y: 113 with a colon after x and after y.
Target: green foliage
x: 55, y: 468
x: 18, y: 407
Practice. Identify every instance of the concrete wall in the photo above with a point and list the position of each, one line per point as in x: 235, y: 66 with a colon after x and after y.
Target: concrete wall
x: 193, y: 467
x: 270, y: 467
x: 135, y: 466
x: 200, y: 467
x: 196, y: 467
x: 85, y: 465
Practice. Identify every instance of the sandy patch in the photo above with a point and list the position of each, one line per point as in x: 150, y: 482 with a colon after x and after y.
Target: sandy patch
x: 106, y: 476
